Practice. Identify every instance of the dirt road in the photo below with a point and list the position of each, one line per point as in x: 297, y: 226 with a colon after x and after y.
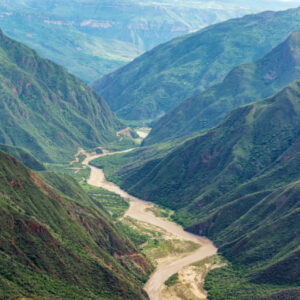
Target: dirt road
x: 137, y: 210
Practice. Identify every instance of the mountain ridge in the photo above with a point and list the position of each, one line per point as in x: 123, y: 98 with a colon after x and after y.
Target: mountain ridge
x: 244, y: 84
x: 92, y: 38
x: 46, y: 110
x: 162, y: 78
x: 24, y: 157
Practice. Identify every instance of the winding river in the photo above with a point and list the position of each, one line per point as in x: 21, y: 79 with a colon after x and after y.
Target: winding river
x: 137, y: 210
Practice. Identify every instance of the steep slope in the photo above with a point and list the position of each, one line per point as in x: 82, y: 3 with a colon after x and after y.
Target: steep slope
x: 45, y: 110
x: 57, y: 243
x: 239, y: 184
x: 162, y: 78
x: 247, y: 141
x: 23, y: 156
x: 244, y: 84
x: 92, y: 38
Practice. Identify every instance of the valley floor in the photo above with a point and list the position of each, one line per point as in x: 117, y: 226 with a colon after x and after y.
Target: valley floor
x: 142, y: 212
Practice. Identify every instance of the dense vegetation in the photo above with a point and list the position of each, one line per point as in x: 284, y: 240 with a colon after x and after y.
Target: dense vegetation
x: 172, y: 280
x: 162, y: 78
x: 47, y: 111
x: 57, y: 242
x: 244, y: 84
x: 238, y: 184
x: 115, y: 205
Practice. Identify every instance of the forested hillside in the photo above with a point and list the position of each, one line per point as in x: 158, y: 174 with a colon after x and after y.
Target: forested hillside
x: 160, y: 79
x: 56, y: 241
x: 244, y: 84
x: 47, y: 111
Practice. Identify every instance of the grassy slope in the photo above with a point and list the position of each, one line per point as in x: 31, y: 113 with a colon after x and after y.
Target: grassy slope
x: 238, y: 184
x: 57, y: 243
x: 162, y: 78
x: 244, y: 84
x: 47, y: 111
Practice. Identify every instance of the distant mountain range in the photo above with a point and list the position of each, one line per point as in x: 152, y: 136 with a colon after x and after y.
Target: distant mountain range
x: 159, y: 80
x: 238, y: 184
x: 56, y: 242
x: 244, y: 84
x: 92, y: 38
x: 47, y: 111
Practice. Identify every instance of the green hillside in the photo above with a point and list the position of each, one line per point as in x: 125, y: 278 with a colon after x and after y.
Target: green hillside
x: 47, y: 111
x: 160, y: 79
x: 57, y: 243
x: 239, y: 185
x: 244, y: 84
x: 23, y: 156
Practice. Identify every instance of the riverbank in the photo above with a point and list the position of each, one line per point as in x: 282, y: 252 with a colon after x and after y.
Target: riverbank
x: 139, y: 210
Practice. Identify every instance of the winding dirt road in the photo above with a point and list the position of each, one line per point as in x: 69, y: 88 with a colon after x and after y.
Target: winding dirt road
x: 137, y: 210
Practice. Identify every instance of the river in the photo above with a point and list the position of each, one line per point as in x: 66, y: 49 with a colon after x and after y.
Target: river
x: 137, y: 210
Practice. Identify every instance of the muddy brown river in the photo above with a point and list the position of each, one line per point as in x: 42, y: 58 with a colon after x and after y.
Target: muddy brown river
x: 137, y: 210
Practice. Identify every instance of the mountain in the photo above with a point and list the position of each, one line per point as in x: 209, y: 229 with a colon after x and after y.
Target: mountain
x: 57, y: 242
x: 244, y: 84
x: 23, y: 156
x: 47, y: 111
x: 238, y: 184
x: 160, y: 79
x: 92, y: 38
